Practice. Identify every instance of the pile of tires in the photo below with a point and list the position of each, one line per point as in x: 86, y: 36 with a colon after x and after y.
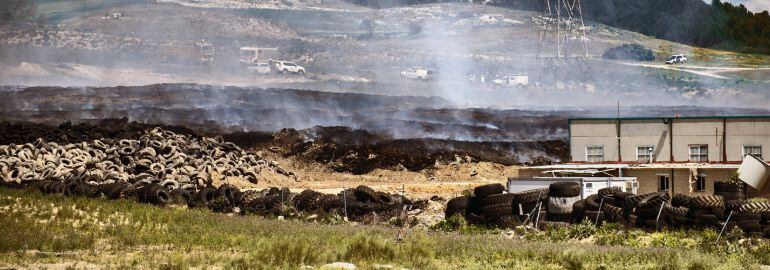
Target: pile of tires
x: 491, y: 206
x: 561, y: 198
x: 606, y: 205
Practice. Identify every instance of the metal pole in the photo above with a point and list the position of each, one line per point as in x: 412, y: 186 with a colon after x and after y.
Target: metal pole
x: 345, y: 200
x: 657, y: 219
x: 599, y: 213
x: 538, y: 213
x: 724, y: 226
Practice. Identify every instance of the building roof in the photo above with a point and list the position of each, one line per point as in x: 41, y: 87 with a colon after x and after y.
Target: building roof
x: 576, y: 166
x: 675, y: 118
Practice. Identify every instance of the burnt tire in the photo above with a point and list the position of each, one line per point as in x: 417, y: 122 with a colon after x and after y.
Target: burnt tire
x: 487, y: 190
x: 564, y: 189
x: 561, y: 205
x: 232, y: 193
x: 365, y: 194
x: 156, y: 194
x: 204, y: 196
x: 455, y: 206
x: 675, y: 211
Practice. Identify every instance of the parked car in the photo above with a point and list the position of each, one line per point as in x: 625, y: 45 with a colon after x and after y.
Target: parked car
x: 676, y: 59
x: 288, y: 67
x: 512, y: 80
x: 260, y: 68
x: 421, y: 74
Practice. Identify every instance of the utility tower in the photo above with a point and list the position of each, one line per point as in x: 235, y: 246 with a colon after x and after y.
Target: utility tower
x: 564, y: 25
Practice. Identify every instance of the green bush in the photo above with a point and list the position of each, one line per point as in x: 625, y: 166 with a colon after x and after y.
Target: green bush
x: 634, y: 52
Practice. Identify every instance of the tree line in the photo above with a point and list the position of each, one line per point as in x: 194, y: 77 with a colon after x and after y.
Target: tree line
x: 720, y: 25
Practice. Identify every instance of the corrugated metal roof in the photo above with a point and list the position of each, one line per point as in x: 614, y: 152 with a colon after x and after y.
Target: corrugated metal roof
x: 674, y: 118
x: 636, y: 166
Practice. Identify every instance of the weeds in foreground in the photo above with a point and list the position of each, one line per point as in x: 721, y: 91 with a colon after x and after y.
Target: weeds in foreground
x: 101, y: 232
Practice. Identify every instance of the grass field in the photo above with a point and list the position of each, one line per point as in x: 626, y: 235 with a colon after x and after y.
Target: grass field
x: 54, y: 231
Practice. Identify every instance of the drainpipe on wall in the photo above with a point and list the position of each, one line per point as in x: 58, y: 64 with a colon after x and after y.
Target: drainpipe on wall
x: 620, y: 157
x: 724, y: 140
x: 670, y: 139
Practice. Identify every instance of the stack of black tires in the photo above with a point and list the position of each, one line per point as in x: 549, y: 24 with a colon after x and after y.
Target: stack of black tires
x: 559, y: 208
x: 560, y: 205
x: 489, y: 205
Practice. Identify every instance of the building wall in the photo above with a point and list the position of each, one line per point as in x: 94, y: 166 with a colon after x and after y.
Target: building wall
x: 742, y: 132
x: 635, y: 133
x: 594, y: 132
x: 686, y: 132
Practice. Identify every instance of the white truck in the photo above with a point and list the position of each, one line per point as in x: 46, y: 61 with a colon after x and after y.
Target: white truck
x: 519, y: 79
x: 254, y: 55
x: 421, y: 74
x: 677, y: 59
x: 288, y: 67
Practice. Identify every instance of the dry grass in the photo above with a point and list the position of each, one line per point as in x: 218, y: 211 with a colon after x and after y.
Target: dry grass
x: 125, y: 234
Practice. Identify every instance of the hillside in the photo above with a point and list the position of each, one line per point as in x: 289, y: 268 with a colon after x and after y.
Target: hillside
x: 85, y: 45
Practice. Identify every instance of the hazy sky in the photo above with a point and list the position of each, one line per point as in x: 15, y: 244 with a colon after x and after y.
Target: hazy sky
x: 753, y: 5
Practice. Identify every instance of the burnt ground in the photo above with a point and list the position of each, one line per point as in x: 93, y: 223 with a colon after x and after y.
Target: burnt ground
x: 344, y: 132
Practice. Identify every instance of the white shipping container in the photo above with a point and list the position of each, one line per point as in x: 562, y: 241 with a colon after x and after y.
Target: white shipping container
x: 589, y: 185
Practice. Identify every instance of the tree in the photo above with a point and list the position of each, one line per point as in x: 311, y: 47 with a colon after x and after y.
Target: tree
x: 17, y: 10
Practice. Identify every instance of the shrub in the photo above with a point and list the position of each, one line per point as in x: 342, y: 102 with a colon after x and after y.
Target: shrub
x: 629, y: 52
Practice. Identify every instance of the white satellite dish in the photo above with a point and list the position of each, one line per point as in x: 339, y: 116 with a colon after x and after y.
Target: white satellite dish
x: 753, y: 171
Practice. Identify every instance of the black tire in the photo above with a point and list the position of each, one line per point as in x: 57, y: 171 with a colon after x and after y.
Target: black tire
x: 493, y: 211
x: 180, y: 196
x: 648, y: 212
x: 564, y: 189
x: 487, y: 190
x: 749, y: 226
x: 609, y: 191
x: 505, y: 198
x: 205, y: 195
x: 230, y: 192
x: 707, y: 201
x: 475, y: 219
x: 756, y: 207
x: 385, y: 198
x: 308, y: 200
x: 455, y: 206
x: 365, y: 194
x: 655, y: 199
x: 675, y: 211
x: 529, y: 196
x: 680, y: 200
x: 508, y: 221
x: 592, y: 202
x: 734, y: 205
x: 475, y: 204
x: 613, y: 212
x: 745, y: 216
x: 592, y: 215
x: 559, y: 217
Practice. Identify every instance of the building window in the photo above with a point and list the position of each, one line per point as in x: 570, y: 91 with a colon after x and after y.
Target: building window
x: 663, y: 183
x: 595, y: 153
x: 699, y: 153
x: 645, y: 154
x: 754, y: 150
x: 700, y: 183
